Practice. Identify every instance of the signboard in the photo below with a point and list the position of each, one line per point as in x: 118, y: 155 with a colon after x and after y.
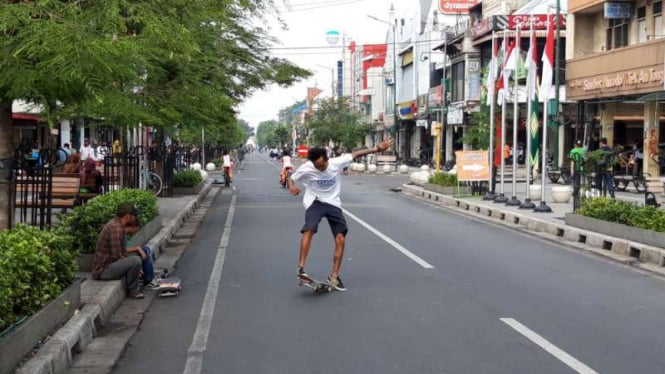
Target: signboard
x: 473, y: 79
x: 435, y: 97
x: 524, y: 21
x: 455, y: 116
x: 456, y: 6
x: 617, y: 10
x: 472, y: 165
x: 622, y: 81
x: 303, y: 150
x: 435, y: 130
x: 422, y: 103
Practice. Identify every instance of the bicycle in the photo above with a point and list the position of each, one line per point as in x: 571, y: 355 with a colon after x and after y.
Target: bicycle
x: 286, y: 177
x: 148, y: 179
x: 227, y: 176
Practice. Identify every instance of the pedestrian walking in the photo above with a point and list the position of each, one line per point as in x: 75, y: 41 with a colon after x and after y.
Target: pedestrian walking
x: 605, y: 165
x: 577, y: 166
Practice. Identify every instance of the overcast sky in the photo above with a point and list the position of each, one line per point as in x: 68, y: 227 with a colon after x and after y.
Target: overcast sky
x: 308, y: 22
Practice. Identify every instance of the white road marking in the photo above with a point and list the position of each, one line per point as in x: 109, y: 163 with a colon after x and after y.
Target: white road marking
x: 543, y: 343
x: 200, y: 339
x: 385, y: 238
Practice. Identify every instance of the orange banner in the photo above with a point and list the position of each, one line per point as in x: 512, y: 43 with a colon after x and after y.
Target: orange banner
x: 472, y: 165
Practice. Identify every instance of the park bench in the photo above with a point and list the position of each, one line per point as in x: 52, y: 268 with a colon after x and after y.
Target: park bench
x: 386, y: 160
x: 30, y: 193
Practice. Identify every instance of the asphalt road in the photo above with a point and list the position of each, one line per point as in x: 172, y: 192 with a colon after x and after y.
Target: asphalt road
x: 430, y: 291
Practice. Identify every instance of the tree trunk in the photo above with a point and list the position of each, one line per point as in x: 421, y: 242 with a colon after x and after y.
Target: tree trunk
x: 6, y: 152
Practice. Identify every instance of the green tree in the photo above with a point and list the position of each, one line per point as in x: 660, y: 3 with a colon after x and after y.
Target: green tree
x: 336, y: 121
x: 129, y: 62
x: 477, y: 134
x: 265, y: 133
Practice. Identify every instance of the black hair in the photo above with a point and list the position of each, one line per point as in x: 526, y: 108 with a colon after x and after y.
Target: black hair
x: 316, y: 153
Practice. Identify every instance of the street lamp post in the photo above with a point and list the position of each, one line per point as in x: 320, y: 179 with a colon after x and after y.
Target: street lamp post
x: 395, y: 111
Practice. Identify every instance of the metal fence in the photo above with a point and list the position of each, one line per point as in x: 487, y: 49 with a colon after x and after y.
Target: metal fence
x: 30, y: 175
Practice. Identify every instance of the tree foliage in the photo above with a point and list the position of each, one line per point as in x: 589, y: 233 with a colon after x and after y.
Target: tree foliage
x: 125, y: 62
x: 334, y: 120
x: 477, y: 134
x: 272, y: 134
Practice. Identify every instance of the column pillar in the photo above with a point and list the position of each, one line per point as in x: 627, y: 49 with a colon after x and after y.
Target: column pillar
x: 607, y: 123
x: 651, y: 136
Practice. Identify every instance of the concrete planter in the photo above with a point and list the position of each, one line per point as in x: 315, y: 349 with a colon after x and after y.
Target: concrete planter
x: 444, y: 190
x: 534, y: 192
x: 651, y: 238
x: 20, y: 341
x: 179, y: 191
x: 561, y: 194
x: 144, y: 235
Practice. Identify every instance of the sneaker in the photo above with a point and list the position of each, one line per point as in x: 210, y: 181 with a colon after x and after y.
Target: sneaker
x: 152, y: 285
x: 336, y: 283
x: 301, y: 274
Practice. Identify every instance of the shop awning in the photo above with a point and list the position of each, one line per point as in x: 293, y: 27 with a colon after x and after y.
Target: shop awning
x: 654, y: 96
x: 27, y: 117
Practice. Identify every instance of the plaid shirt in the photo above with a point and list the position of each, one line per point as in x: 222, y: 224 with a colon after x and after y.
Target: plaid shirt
x: 110, y: 247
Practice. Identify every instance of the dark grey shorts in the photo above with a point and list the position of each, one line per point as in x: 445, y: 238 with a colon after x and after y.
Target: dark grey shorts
x: 317, y: 211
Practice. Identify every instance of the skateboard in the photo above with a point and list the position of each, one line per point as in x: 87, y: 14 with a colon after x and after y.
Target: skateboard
x: 169, y: 287
x: 315, y: 285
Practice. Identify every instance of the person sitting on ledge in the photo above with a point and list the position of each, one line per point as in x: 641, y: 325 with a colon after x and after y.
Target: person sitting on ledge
x: 112, y: 260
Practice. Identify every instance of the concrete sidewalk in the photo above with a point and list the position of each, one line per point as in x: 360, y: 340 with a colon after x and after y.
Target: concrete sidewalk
x: 101, y: 299
x: 552, y: 225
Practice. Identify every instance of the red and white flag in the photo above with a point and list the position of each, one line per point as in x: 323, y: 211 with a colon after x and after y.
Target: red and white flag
x: 531, y: 66
x: 493, y: 72
x: 502, y: 84
x: 546, y: 88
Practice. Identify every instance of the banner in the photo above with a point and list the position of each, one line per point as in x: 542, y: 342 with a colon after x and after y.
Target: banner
x: 472, y: 165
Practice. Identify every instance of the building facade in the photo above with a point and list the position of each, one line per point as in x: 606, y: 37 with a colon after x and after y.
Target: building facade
x: 614, y: 69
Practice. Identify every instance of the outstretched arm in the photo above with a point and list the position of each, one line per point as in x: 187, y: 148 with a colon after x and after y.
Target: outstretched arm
x: 380, y: 148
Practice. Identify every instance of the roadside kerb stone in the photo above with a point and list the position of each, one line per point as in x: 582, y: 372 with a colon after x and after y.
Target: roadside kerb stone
x: 617, y: 249
x: 174, y: 224
x: 108, y: 295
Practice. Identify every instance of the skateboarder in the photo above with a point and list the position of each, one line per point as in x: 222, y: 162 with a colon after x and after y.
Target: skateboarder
x: 321, y: 178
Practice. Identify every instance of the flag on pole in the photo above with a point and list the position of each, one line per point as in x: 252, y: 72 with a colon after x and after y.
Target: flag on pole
x: 502, y: 82
x: 546, y: 89
x: 492, y: 73
x: 531, y: 86
x: 498, y: 151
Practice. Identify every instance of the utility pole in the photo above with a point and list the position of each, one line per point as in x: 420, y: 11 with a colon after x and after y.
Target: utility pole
x: 557, y: 74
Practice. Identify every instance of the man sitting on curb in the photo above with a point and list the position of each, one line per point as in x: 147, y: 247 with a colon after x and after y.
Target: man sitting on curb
x: 148, y: 271
x: 111, y: 260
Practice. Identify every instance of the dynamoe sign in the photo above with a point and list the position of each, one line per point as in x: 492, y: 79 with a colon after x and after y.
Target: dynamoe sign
x: 456, y: 6
x: 472, y: 165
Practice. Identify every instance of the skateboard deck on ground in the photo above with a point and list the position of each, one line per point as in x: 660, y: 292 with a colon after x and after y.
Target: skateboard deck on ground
x: 315, y: 285
x: 170, y: 286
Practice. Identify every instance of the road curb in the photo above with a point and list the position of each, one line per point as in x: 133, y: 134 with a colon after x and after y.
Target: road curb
x: 620, y: 250
x: 100, y: 299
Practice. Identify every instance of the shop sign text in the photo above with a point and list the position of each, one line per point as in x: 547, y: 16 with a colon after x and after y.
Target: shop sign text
x: 629, y: 78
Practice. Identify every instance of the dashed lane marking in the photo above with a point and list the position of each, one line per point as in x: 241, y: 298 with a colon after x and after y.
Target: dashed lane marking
x: 388, y: 240
x: 550, y: 348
